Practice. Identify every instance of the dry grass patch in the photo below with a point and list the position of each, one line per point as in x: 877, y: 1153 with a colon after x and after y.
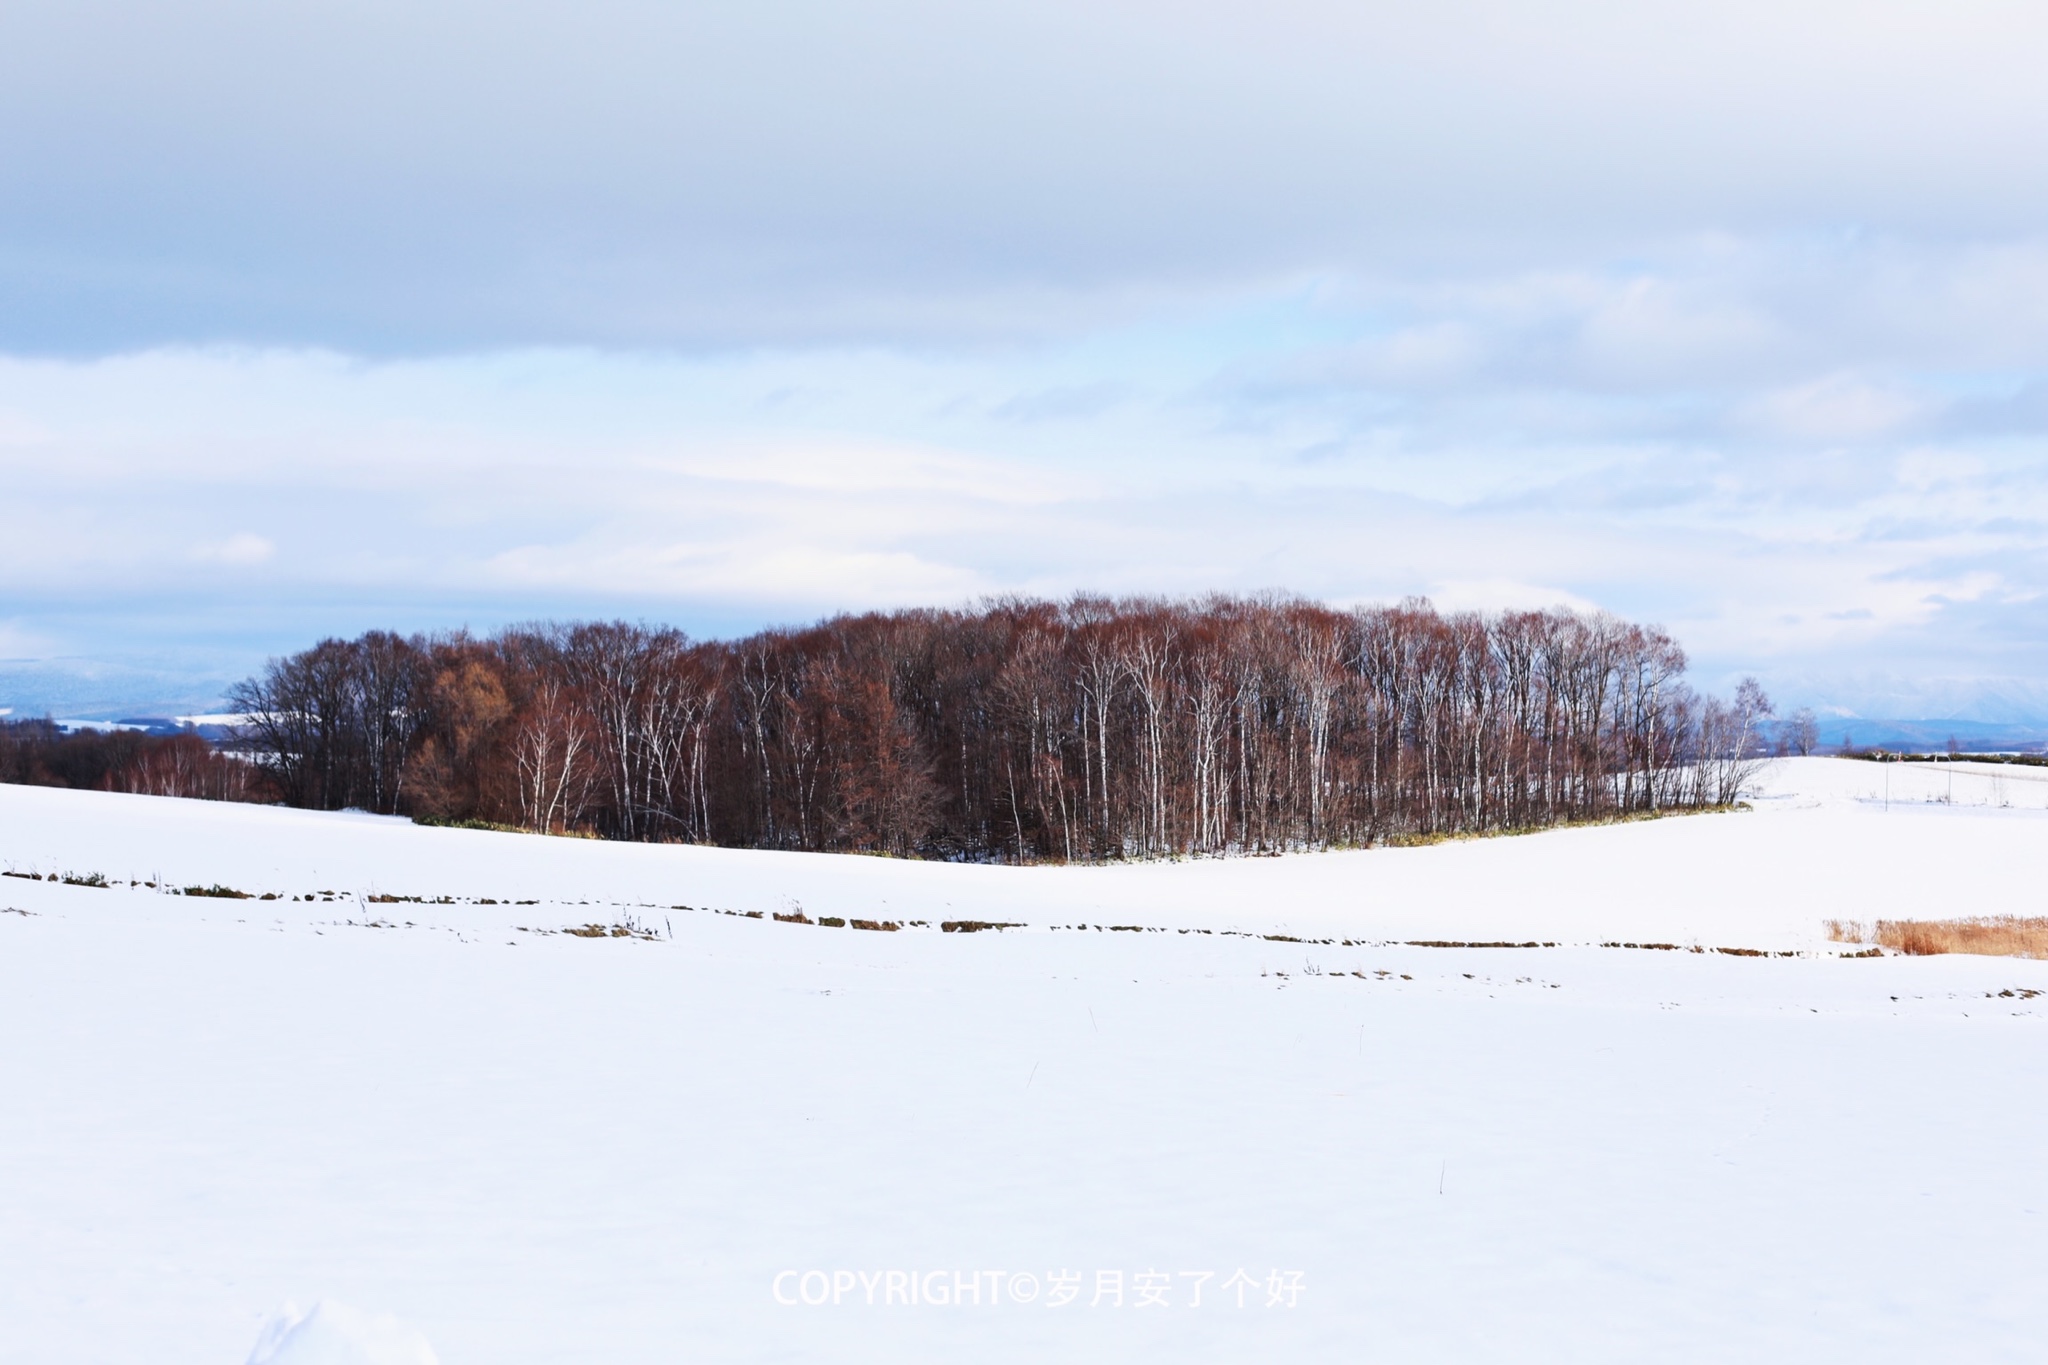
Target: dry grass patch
x: 1985, y: 935
x: 628, y: 929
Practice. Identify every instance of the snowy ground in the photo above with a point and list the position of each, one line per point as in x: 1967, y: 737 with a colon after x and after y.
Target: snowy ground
x: 531, y: 1146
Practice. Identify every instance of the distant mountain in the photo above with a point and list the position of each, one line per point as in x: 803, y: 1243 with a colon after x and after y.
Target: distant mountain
x: 2018, y: 704
x: 1931, y: 735
x: 95, y: 691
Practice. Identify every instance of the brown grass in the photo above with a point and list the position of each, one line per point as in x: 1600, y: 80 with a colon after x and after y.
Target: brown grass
x: 1986, y: 935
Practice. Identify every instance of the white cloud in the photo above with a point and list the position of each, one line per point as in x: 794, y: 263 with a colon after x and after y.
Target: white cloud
x: 1838, y: 407
x: 242, y: 549
x: 1733, y: 317
x: 778, y: 485
x: 22, y: 644
x: 452, y: 175
x: 1500, y: 594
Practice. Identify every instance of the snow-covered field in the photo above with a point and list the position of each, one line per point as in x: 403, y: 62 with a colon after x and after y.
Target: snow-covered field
x: 530, y: 1146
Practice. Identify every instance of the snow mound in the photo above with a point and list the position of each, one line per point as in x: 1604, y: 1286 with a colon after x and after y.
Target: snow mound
x: 335, y: 1334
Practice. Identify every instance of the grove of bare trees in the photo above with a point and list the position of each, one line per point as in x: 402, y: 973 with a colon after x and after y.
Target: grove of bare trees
x: 38, y: 753
x: 1025, y: 730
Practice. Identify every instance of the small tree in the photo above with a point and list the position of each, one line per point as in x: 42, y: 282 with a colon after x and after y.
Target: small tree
x: 1802, y: 732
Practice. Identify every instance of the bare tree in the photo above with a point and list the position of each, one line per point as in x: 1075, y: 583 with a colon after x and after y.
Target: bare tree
x: 554, y: 752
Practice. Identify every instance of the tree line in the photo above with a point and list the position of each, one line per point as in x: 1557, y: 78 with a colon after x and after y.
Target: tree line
x: 39, y: 753
x: 1023, y: 730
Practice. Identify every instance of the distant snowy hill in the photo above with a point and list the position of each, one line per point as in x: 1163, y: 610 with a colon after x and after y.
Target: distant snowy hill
x: 1930, y: 735
x: 105, y: 691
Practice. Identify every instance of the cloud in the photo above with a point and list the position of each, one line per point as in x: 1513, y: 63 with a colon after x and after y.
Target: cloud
x: 1499, y: 594
x: 241, y: 549
x: 440, y: 491
x: 407, y: 178
x: 1731, y: 317
x: 20, y: 644
x: 781, y: 570
x: 1063, y: 401
x: 1838, y: 407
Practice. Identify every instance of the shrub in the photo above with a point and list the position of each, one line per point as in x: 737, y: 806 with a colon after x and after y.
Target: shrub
x: 1992, y: 935
x: 1986, y: 935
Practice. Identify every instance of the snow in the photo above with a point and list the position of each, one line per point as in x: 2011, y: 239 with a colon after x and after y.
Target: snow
x: 335, y: 1334
x: 536, y: 1147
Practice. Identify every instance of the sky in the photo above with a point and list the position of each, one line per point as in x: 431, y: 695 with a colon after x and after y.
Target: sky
x: 322, y: 317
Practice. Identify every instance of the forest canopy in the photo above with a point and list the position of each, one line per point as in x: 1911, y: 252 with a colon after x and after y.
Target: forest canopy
x: 1023, y: 730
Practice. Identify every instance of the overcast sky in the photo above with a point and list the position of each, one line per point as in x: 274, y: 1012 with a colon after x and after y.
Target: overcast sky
x: 321, y: 316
